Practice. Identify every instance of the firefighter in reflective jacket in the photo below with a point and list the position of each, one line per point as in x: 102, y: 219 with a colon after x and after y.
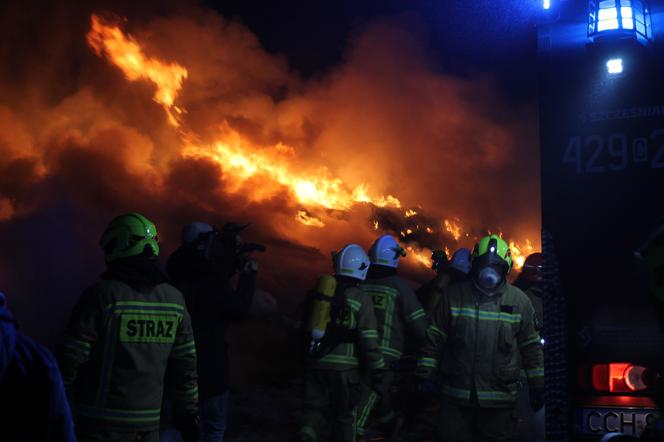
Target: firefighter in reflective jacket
x: 480, y: 336
x: 397, y: 311
x: 449, y: 273
x: 349, y: 344
x: 530, y: 426
x: 530, y: 281
x: 129, y: 337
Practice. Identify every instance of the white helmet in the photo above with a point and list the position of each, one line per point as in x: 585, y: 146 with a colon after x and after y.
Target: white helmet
x: 351, y: 261
x: 386, y: 251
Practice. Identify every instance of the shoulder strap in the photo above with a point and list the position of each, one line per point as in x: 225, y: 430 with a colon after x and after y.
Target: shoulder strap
x: 338, y: 304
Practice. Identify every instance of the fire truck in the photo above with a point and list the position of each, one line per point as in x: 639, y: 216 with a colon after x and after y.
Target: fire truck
x: 601, y: 80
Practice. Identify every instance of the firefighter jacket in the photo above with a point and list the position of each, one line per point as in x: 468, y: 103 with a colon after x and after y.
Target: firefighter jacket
x: 119, y: 343
x: 431, y: 292
x: 477, y: 344
x: 535, y: 293
x: 362, y: 351
x: 397, y: 311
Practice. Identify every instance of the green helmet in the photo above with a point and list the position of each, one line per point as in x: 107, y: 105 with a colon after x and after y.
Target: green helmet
x: 493, y: 249
x: 129, y: 235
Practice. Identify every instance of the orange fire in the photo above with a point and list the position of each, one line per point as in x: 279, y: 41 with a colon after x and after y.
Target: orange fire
x: 311, y: 189
x: 308, y: 220
x: 126, y: 53
x: 277, y: 168
x: 520, y: 252
x: 453, y: 228
x: 421, y: 256
x: 315, y: 188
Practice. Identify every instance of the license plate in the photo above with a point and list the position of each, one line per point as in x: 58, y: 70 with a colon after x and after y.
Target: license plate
x: 631, y: 421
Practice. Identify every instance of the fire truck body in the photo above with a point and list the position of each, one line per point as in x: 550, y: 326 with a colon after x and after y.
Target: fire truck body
x: 602, y: 169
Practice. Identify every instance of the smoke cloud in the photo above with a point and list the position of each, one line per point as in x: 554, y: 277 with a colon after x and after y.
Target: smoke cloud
x: 80, y: 143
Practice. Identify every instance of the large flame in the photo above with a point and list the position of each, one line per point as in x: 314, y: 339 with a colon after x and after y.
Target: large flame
x: 314, y: 188
x: 125, y: 52
x: 276, y: 167
x: 311, y: 189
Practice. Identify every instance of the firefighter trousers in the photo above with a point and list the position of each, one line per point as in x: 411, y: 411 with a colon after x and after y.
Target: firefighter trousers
x: 375, y: 404
x: 330, y: 400
x: 472, y: 423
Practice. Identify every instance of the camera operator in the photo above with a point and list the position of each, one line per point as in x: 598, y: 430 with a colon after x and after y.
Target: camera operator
x: 203, y: 268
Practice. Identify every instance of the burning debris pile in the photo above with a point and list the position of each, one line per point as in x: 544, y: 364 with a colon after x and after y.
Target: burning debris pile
x: 425, y: 234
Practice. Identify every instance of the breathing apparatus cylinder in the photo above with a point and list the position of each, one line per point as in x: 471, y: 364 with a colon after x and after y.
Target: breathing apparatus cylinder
x: 320, y: 311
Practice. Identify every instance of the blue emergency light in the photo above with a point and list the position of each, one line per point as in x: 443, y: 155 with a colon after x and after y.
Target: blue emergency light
x: 546, y: 4
x: 614, y: 66
x: 617, y: 19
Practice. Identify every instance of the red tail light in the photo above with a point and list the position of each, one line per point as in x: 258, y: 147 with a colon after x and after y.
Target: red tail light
x: 621, y: 377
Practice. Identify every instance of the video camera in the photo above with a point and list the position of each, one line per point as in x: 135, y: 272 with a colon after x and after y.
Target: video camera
x: 224, y: 247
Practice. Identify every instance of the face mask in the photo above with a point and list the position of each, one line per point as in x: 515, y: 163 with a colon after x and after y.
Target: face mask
x: 489, y: 278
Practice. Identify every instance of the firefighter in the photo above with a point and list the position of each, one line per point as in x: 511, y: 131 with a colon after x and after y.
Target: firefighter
x: 397, y: 311
x: 481, y: 335
x: 33, y: 403
x: 451, y: 272
x: 343, y: 342
x: 530, y: 282
x: 129, y: 338
x: 530, y: 425
x: 448, y: 272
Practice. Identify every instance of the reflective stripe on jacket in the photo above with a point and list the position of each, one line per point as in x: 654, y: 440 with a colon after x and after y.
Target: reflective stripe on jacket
x: 397, y: 310
x: 478, y: 344
x: 118, y: 346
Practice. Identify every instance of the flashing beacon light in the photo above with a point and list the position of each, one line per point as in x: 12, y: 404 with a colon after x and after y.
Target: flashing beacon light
x: 546, y: 4
x: 619, y: 19
x: 614, y: 66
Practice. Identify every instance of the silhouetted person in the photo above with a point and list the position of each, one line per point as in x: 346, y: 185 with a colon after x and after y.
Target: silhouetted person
x: 33, y: 403
x: 129, y: 341
x: 203, y: 268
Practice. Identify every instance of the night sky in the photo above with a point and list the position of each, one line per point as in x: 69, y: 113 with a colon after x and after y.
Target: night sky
x: 497, y: 38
